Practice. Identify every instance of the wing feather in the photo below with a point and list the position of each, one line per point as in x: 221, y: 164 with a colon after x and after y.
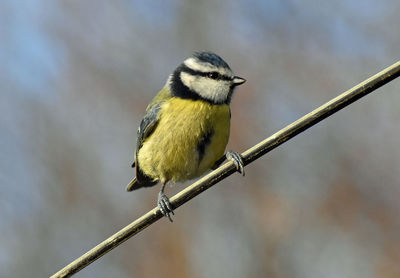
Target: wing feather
x: 146, y: 128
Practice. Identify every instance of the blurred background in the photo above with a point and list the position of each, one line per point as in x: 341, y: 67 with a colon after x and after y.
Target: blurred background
x: 75, y: 79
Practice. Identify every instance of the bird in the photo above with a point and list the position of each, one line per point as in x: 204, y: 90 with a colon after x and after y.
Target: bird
x: 186, y: 127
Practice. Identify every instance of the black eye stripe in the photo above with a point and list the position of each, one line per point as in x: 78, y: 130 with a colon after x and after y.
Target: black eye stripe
x: 214, y: 75
x: 206, y: 74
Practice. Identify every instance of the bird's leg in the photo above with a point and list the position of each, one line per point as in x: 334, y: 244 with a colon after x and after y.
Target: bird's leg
x: 237, y: 160
x: 235, y: 157
x: 163, y: 203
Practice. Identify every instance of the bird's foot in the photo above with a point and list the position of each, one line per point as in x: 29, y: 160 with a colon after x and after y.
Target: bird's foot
x: 237, y: 160
x: 164, y: 205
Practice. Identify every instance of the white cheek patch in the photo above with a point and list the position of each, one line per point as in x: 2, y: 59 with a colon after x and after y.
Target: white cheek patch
x: 187, y: 79
x: 197, y: 65
x: 214, y: 90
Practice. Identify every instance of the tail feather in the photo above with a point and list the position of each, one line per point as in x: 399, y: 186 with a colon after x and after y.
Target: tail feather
x: 133, y: 185
x: 140, y: 181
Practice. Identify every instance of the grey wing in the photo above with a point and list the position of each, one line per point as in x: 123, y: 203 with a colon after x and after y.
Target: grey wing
x: 146, y: 128
x: 147, y: 125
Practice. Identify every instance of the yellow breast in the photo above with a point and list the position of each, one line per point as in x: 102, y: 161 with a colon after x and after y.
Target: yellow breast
x: 171, y: 152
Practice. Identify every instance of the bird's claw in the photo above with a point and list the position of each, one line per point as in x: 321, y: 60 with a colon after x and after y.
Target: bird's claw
x: 237, y: 160
x: 164, y: 205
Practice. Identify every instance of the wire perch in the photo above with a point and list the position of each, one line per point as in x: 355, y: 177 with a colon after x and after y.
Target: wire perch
x: 227, y: 169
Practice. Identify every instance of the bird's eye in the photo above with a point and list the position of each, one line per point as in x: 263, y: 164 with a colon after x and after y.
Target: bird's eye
x: 213, y: 75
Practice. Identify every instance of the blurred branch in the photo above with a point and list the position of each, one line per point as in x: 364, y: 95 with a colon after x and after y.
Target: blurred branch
x: 228, y: 168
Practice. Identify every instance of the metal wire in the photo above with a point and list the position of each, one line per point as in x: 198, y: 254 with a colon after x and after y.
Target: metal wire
x: 322, y: 112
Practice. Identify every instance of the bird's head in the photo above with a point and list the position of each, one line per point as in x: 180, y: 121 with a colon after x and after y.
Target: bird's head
x: 204, y: 76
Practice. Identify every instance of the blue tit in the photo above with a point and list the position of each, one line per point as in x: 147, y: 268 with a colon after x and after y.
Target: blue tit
x: 186, y: 126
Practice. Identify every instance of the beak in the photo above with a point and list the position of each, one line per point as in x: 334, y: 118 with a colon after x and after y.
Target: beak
x: 238, y: 80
